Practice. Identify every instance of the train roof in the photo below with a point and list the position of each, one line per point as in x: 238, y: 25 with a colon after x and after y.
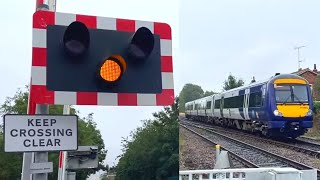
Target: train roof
x: 269, y: 80
x: 203, y: 98
x: 285, y: 76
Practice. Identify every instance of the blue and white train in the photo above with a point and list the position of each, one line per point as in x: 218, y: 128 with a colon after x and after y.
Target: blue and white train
x: 278, y: 107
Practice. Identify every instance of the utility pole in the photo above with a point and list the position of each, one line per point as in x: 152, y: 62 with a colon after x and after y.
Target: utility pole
x: 299, y: 61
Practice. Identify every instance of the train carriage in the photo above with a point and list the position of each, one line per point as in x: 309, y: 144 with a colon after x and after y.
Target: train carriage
x: 279, y: 106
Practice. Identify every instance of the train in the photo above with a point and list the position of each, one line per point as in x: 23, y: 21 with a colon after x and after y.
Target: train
x: 280, y: 106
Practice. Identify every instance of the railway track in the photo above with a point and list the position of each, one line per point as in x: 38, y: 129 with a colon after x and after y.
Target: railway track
x: 236, y: 158
x: 306, y: 139
x: 254, y: 155
x: 299, y: 145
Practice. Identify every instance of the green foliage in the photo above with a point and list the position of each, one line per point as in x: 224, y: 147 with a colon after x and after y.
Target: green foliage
x: 153, y: 152
x: 88, y: 135
x: 208, y: 93
x: 107, y: 176
x: 316, y: 88
x: 10, y: 163
x: 232, y: 82
x: 189, y: 92
x: 316, y: 107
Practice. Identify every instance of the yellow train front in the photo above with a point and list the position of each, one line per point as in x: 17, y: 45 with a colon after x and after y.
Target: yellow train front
x: 288, y: 106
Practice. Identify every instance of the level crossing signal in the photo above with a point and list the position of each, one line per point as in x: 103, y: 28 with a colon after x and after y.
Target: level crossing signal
x: 90, y: 60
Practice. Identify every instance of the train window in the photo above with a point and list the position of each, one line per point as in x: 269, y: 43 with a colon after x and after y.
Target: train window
x: 255, y: 99
x: 226, y: 103
x: 209, y: 105
x: 240, y: 101
x: 217, y: 104
x: 233, y: 102
x: 236, y: 102
x: 300, y: 93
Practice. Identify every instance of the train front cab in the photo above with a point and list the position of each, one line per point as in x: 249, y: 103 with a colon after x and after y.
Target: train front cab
x: 290, y: 106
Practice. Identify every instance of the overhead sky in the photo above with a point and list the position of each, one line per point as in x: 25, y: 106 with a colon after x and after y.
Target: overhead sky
x: 246, y: 38
x: 15, y: 63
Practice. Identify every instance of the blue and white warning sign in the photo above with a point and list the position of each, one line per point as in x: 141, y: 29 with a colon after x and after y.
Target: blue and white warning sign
x: 23, y: 133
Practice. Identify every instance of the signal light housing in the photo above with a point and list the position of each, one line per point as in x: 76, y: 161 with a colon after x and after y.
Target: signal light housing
x: 76, y: 39
x: 112, y: 69
x: 59, y: 77
x: 142, y: 44
x: 135, y: 57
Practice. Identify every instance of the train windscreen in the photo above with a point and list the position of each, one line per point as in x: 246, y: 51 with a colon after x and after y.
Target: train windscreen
x: 291, y: 94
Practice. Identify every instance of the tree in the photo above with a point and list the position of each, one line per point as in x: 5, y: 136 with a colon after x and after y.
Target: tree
x: 110, y: 171
x: 317, y: 88
x: 232, y: 82
x: 88, y: 135
x: 208, y: 93
x: 153, y: 151
x: 189, y: 92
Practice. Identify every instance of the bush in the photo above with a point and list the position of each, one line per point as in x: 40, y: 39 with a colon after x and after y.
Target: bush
x: 316, y: 107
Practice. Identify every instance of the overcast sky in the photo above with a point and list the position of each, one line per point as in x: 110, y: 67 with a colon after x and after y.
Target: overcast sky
x: 247, y: 38
x: 15, y: 63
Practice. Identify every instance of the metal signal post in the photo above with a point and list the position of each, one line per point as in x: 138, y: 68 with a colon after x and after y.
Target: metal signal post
x: 37, y: 157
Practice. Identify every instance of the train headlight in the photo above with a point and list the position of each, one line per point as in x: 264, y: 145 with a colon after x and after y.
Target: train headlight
x: 309, y: 113
x: 277, y: 113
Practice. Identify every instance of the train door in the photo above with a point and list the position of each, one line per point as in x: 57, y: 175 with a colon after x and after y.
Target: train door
x: 221, y: 106
x: 205, y: 107
x: 214, y: 106
x: 246, y: 104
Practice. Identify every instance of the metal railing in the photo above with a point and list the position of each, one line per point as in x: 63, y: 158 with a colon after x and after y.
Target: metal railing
x: 248, y: 174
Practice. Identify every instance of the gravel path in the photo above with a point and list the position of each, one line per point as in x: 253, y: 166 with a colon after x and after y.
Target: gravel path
x: 195, y: 153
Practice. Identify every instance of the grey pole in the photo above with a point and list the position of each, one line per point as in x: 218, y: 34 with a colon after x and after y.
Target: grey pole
x: 62, y: 172
x: 40, y: 157
x: 298, y: 48
x: 29, y: 158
